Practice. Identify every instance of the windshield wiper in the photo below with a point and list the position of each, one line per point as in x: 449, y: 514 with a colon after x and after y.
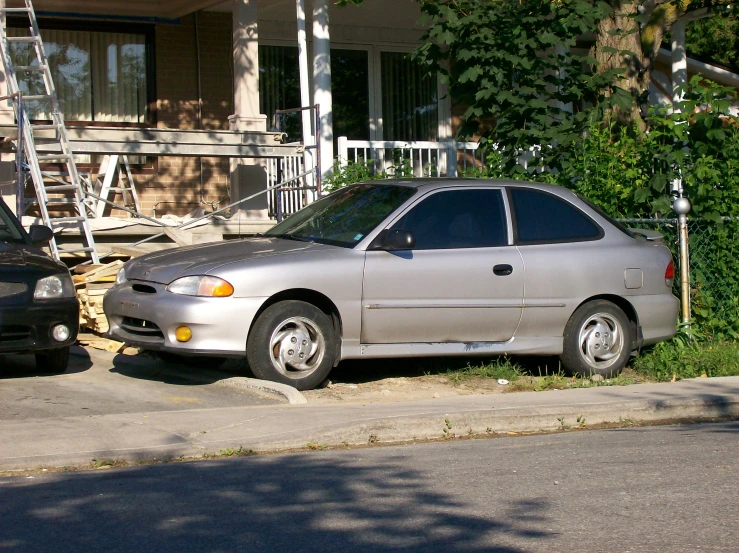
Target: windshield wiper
x: 288, y: 236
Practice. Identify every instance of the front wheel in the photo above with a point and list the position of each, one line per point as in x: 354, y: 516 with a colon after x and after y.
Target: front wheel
x: 597, y: 340
x: 292, y: 342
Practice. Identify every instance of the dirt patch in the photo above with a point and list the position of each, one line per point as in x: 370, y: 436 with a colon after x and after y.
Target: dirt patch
x: 400, y: 389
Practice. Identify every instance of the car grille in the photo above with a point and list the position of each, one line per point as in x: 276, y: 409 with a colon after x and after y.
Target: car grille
x: 10, y: 289
x: 14, y: 333
x: 144, y: 289
x: 141, y: 327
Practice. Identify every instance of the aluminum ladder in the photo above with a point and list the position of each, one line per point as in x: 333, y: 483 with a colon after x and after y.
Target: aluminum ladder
x: 66, y: 188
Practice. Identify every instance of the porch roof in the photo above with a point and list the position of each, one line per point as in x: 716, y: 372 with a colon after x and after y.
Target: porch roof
x: 158, y: 9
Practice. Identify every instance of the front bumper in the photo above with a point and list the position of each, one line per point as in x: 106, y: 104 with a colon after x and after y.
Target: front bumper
x: 26, y: 329
x: 148, y: 320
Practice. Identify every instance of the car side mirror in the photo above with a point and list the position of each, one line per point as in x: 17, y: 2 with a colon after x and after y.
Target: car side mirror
x: 40, y: 234
x: 395, y: 239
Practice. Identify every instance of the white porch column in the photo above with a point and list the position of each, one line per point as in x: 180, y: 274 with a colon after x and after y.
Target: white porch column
x: 679, y: 60
x: 248, y: 176
x: 309, y: 156
x: 322, y: 82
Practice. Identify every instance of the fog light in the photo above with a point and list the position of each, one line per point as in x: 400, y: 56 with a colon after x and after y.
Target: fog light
x: 183, y: 333
x: 60, y: 333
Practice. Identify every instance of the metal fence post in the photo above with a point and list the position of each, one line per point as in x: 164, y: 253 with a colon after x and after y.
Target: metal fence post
x: 681, y: 206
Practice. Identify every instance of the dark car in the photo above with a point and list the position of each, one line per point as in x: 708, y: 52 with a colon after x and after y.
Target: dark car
x: 39, y: 312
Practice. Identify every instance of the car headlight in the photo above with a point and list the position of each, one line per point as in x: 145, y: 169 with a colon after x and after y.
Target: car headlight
x: 120, y: 278
x: 52, y: 287
x: 207, y: 286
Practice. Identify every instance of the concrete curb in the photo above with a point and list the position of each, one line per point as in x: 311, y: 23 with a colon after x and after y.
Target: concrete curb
x: 137, y: 437
x: 205, y: 376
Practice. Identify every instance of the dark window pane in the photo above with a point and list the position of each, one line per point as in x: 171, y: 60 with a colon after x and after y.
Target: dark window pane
x: 350, y: 90
x: 457, y: 219
x: 410, y: 100
x: 541, y: 217
x: 279, y: 88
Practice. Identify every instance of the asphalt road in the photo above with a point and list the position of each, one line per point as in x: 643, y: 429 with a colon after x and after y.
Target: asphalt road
x: 104, y: 388
x: 662, y: 489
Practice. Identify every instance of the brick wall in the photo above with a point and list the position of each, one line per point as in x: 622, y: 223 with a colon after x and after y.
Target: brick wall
x: 181, y: 184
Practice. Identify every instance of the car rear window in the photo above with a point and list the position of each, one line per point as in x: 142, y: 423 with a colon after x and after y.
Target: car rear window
x: 542, y: 218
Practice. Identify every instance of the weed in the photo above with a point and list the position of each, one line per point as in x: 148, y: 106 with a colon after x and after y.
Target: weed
x: 231, y: 452
x: 562, y: 425
x: 447, y: 430
x: 316, y: 447
x: 677, y: 360
x: 501, y: 367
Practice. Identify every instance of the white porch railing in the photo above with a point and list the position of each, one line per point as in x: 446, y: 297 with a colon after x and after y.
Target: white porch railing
x: 420, y: 158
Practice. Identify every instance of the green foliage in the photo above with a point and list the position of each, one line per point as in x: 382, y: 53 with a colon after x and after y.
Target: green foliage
x: 674, y: 359
x: 512, y: 65
x: 716, y: 38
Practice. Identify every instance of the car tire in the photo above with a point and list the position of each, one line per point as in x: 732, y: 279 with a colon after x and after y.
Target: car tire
x: 292, y: 342
x: 193, y: 361
x: 597, y: 340
x: 52, y: 361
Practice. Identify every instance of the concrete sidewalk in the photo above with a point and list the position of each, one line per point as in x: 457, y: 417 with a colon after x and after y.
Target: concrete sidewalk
x: 147, y: 436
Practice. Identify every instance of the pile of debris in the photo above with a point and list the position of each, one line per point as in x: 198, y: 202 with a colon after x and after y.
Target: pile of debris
x: 90, y: 286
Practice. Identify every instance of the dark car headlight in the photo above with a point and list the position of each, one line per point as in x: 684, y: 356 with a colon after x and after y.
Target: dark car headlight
x: 120, y: 278
x: 54, y: 287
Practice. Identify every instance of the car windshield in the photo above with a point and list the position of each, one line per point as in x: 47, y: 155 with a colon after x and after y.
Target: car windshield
x: 8, y: 231
x: 344, y: 217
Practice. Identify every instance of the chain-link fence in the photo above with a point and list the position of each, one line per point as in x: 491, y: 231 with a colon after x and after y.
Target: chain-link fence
x: 714, y: 269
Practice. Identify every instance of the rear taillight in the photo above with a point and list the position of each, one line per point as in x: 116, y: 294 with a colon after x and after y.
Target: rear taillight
x: 670, y: 274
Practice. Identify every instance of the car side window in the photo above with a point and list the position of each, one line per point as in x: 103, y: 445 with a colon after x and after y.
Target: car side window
x: 541, y: 218
x: 458, y: 219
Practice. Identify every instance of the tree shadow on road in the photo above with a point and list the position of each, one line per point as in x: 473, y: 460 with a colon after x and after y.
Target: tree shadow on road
x: 321, y: 501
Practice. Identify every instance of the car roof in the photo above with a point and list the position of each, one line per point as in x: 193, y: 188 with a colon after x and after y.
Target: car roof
x: 443, y: 182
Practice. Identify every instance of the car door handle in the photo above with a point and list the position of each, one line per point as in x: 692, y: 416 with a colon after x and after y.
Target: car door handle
x: 502, y: 270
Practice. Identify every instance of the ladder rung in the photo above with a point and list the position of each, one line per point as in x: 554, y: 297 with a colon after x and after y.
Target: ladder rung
x: 13, y: 10
x: 60, y: 187
x: 51, y: 157
x: 55, y: 220
x: 36, y: 97
x: 20, y: 38
x: 71, y: 250
x: 30, y: 68
x: 61, y: 201
x: 52, y: 127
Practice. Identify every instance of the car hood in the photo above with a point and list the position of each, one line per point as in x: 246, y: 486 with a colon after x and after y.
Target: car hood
x: 24, y: 256
x: 166, y: 266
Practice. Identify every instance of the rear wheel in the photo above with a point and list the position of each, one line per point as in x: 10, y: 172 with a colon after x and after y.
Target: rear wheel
x: 597, y: 340
x: 292, y: 342
x: 52, y: 361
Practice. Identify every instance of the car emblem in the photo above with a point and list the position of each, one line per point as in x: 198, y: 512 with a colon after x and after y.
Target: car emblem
x: 146, y: 273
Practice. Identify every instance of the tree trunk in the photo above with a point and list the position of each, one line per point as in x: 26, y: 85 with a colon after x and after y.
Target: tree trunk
x: 621, y: 32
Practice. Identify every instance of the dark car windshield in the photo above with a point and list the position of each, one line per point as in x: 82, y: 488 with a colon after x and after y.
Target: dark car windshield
x: 344, y: 217
x: 8, y: 230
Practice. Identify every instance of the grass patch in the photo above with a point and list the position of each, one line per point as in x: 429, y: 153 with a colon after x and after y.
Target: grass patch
x: 502, y: 367
x: 677, y: 360
x: 530, y: 374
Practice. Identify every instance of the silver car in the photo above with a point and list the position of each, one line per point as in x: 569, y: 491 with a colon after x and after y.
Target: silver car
x: 403, y: 268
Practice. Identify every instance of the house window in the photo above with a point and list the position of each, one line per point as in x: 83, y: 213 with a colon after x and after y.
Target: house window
x: 98, y: 76
x: 279, y: 88
x: 103, y: 74
x: 410, y: 100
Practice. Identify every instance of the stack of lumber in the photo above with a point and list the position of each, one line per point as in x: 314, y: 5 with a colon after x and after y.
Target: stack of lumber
x: 90, y: 288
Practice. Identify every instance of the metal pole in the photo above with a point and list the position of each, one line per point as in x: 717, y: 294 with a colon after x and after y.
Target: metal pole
x: 318, y: 150
x: 681, y: 206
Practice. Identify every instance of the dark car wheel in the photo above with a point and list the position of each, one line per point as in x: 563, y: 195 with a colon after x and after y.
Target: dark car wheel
x: 597, y: 340
x: 194, y: 361
x: 52, y: 361
x: 292, y: 342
